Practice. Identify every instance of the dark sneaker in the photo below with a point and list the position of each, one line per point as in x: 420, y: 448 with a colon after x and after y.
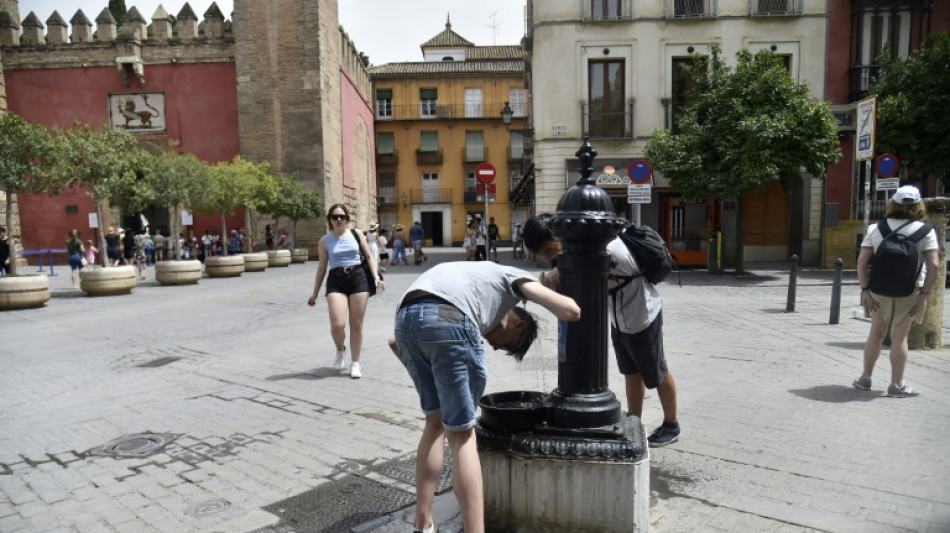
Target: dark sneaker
x: 901, y: 392
x: 668, y: 433
x: 862, y: 383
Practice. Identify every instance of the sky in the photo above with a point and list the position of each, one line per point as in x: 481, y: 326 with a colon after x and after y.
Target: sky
x: 387, y: 31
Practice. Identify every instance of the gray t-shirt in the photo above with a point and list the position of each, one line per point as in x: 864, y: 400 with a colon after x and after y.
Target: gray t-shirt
x: 483, y: 290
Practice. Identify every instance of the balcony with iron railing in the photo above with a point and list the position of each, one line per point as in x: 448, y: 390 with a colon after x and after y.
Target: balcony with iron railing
x: 607, y: 10
x: 775, y: 8
x: 862, y: 77
x: 428, y: 158
x: 474, y: 154
x: 445, y: 111
x: 688, y: 9
x: 387, y: 196
x: 472, y: 196
x: 607, y: 124
x: 431, y: 196
x: 387, y: 160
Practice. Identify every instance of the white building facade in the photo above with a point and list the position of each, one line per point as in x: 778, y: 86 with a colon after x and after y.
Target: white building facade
x: 612, y: 70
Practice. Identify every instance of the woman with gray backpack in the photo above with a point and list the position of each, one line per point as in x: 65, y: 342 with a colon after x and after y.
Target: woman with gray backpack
x: 897, y: 270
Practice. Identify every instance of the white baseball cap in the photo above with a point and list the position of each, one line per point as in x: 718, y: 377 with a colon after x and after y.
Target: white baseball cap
x: 908, y: 194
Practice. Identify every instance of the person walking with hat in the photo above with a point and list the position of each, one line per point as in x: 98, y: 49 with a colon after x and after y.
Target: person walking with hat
x: 399, y: 245
x: 903, y: 216
x: 372, y: 238
x: 417, y: 236
x: 347, y: 284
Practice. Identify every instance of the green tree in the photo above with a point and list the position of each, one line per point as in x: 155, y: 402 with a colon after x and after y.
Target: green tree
x: 118, y: 10
x: 26, y: 153
x: 174, y: 181
x: 913, y: 118
x: 296, y: 202
x: 230, y: 185
x: 364, y: 59
x: 743, y: 127
x: 105, y: 161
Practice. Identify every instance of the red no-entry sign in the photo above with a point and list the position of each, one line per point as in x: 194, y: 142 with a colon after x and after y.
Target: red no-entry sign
x: 485, y: 173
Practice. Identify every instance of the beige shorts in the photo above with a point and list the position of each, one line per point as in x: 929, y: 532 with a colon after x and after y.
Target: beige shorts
x: 893, y: 311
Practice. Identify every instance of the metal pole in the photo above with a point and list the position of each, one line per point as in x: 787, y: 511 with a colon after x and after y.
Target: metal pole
x: 485, y: 226
x: 792, y: 285
x: 836, y: 293
x: 867, y: 195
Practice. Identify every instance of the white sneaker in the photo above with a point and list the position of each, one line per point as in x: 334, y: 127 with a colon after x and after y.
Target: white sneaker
x: 340, y: 357
x: 355, y: 371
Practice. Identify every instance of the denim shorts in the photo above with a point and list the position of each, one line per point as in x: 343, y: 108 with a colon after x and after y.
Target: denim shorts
x: 442, y: 350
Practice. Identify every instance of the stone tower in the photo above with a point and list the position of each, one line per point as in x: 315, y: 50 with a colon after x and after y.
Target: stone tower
x: 287, y: 56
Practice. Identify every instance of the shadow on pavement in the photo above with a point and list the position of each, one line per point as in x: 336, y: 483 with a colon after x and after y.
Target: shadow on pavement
x: 836, y: 394
x: 318, y: 373
x: 846, y: 345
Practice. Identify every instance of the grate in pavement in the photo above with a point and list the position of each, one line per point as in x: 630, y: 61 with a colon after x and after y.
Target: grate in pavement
x: 136, y: 445
x: 404, y: 470
x: 337, y: 506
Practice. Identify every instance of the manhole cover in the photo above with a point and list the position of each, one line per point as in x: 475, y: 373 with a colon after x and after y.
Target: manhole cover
x: 209, y: 507
x: 137, y: 445
x: 404, y: 470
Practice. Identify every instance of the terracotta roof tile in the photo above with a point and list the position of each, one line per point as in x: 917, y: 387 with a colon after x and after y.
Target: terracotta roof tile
x: 442, y: 68
x: 447, y: 38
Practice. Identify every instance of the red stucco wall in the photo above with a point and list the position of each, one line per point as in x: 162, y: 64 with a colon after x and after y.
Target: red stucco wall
x: 354, y: 110
x: 201, y: 118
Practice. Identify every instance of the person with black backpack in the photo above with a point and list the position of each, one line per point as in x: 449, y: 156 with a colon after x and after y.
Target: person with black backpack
x: 636, y: 316
x: 897, y: 270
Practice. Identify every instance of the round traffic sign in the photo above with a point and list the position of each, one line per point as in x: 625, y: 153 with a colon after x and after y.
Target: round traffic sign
x: 887, y: 165
x: 485, y: 173
x: 640, y: 171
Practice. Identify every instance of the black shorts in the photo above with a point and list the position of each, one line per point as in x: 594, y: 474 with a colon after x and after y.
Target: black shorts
x: 642, y: 353
x: 347, y: 280
x: 383, y: 256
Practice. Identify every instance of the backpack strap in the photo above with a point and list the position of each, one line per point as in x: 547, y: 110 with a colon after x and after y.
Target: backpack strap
x: 920, y: 233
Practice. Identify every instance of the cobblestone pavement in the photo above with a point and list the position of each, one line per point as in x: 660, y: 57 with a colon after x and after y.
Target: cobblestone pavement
x: 260, y: 434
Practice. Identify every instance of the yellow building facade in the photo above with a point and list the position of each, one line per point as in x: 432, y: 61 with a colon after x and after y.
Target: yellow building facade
x: 437, y: 121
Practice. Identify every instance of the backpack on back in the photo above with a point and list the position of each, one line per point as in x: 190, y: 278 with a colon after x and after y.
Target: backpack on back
x: 649, y: 250
x: 896, y: 264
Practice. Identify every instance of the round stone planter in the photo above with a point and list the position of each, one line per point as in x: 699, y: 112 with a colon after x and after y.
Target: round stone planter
x: 186, y: 272
x: 224, y: 266
x: 300, y: 255
x: 278, y: 258
x: 23, y: 291
x: 255, y: 262
x: 107, y: 281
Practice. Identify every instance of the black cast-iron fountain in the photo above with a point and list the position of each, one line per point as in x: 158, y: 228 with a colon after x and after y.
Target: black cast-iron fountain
x: 581, y: 420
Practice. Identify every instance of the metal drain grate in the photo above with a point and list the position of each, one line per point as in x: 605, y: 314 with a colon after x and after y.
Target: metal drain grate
x: 209, y: 507
x: 136, y: 445
x: 339, y: 505
x: 404, y: 470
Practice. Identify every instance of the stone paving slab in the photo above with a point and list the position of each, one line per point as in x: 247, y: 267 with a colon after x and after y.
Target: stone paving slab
x: 775, y: 438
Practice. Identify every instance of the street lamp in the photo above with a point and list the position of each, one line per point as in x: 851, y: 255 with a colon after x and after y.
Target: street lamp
x: 506, y: 114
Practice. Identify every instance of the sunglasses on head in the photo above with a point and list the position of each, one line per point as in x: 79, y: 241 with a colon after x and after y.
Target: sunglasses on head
x: 338, y: 217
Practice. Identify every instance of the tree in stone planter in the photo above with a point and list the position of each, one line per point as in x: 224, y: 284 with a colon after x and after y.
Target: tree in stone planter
x: 174, y: 181
x: 262, y: 192
x: 294, y: 201
x: 105, y: 161
x: 742, y: 128
x: 26, y: 155
x: 230, y: 185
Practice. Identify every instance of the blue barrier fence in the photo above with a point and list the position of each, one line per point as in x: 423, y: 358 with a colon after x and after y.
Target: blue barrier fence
x: 39, y: 255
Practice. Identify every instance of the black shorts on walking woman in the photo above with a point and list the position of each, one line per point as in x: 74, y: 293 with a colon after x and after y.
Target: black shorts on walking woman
x: 347, y: 280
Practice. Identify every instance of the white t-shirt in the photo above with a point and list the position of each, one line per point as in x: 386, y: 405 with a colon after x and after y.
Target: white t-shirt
x: 635, y: 306
x: 484, y: 291
x: 929, y: 242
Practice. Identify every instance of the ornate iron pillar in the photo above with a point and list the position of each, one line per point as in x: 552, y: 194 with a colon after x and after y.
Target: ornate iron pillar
x: 585, y: 222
